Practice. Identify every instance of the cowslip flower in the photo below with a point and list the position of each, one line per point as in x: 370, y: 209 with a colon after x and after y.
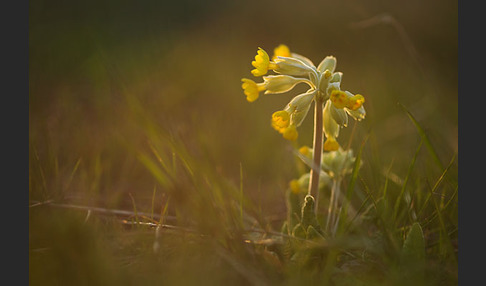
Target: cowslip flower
x: 324, y: 84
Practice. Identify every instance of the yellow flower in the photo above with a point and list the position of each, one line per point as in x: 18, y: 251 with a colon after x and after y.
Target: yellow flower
x: 261, y: 63
x: 342, y: 99
x: 339, y: 99
x: 290, y: 133
x: 331, y: 144
x: 356, y: 102
x: 295, y: 186
x: 281, y: 123
x: 252, y: 89
x: 281, y: 51
x: 280, y: 120
x: 305, y: 150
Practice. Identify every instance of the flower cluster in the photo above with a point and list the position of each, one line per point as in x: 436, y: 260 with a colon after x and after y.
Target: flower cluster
x: 325, y: 85
x: 334, y: 164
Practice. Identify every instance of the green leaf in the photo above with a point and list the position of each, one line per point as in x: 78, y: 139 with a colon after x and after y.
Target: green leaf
x: 424, y: 137
x: 412, y: 264
x: 414, y: 246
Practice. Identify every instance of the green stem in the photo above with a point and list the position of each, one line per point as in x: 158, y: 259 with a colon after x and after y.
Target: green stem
x: 317, y: 151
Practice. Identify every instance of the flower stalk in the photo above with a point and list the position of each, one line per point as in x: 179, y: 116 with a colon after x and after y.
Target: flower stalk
x: 317, y: 147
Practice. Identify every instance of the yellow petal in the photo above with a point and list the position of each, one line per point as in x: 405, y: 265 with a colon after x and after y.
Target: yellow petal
x: 331, y: 144
x: 290, y: 133
x: 356, y: 102
x: 339, y: 99
x: 281, y: 51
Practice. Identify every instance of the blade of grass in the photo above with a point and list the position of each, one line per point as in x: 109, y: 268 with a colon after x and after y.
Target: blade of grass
x: 41, y: 172
x: 436, y: 185
x: 153, y: 200
x: 134, y: 208
x: 352, y: 182
x: 157, y: 155
x: 159, y: 175
x: 241, y: 193
x: 404, y: 185
x: 163, y: 212
x: 451, y: 199
x: 443, y: 233
x: 387, y: 175
x: 362, y: 206
x: 72, y: 173
x: 424, y: 137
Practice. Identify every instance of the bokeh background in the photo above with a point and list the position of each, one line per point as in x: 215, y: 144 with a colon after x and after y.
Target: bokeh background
x: 102, y: 72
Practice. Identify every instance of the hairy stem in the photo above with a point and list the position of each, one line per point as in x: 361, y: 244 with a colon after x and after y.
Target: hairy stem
x: 317, y: 151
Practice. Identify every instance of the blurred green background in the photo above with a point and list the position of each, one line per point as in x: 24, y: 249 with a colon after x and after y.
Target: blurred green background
x: 101, y: 72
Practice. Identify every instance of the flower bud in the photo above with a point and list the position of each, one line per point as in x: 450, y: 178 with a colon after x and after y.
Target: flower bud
x: 338, y: 162
x: 328, y: 63
x: 336, y: 77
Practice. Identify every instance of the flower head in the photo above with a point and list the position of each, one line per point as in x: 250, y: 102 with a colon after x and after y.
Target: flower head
x: 261, y: 63
x: 280, y: 120
x: 338, y: 162
x: 290, y: 133
x: 324, y: 85
x: 342, y: 99
x: 251, y: 89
